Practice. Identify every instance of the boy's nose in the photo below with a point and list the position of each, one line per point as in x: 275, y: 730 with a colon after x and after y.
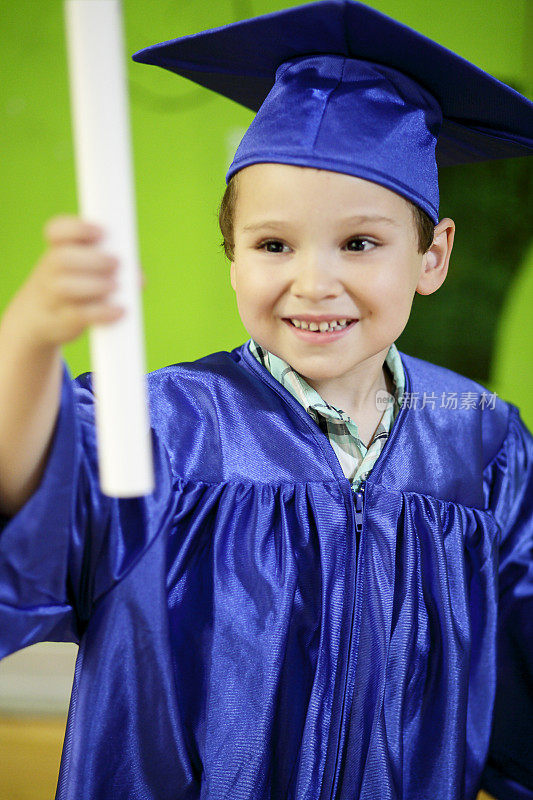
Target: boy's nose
x: 315, y: 280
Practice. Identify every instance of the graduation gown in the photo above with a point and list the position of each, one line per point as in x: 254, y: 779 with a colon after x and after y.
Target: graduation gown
x: 241, y: 638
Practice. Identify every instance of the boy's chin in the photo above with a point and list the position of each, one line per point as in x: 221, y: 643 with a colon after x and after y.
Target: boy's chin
x: 318, y: 368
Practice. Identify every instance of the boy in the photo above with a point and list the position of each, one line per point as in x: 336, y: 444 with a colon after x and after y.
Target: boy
x: 321, y: 598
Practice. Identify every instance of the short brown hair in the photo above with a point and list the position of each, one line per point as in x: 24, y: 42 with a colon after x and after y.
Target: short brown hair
x: 226, y: 216
x: 423, y: 223
x: 425, y: 229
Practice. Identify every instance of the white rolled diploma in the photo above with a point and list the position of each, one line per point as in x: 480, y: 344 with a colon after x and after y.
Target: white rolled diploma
x: 99, y: 100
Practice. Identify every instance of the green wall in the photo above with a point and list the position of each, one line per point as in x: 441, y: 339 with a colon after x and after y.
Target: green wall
x: 184, y: 138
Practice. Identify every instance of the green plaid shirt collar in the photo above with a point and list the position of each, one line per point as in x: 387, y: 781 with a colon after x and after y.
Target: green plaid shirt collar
x: 355, y: 459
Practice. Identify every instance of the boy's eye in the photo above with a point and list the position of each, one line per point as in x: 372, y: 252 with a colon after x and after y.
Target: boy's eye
x: 359, y: 244
x: 273, y: 246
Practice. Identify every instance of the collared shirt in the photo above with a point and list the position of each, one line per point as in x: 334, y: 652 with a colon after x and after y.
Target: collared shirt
x: 355, y: 458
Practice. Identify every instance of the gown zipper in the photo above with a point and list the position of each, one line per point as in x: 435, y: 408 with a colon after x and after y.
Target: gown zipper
x: 358, y: 505
x: 359, y: 508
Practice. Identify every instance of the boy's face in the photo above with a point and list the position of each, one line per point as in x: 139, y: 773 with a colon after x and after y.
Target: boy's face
x: 310, y: 243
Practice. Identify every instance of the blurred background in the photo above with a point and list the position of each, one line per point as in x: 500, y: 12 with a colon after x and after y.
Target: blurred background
x: 480, y: 323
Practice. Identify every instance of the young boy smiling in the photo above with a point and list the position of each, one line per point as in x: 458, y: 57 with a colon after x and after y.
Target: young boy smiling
x: 314, y: 246
x: 322, y: 598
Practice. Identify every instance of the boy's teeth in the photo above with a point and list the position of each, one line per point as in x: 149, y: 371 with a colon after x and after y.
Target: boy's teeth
x: 334, y: 325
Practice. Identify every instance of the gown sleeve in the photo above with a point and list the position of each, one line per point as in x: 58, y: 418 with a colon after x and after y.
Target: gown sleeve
x: 508, y: 773
x: 70, y: 544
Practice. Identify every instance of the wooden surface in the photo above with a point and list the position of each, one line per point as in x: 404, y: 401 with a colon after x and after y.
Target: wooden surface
x: 31, y: 752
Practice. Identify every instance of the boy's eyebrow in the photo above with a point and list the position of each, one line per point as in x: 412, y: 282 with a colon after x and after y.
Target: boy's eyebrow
x: 267, y: 223
x: 363, y: 219
x: 358, y: 219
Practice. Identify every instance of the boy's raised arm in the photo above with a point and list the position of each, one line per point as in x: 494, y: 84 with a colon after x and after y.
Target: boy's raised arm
x: 68, y: 291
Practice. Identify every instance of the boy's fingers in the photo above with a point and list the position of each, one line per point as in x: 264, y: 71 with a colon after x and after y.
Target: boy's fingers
x: 73, y: 321
x: 76, y: 259
x: 84, y: 289
x: 65, y: 228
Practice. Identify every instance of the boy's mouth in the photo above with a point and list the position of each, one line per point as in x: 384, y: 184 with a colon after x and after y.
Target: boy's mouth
x: 320, y: 327
x: 320, y: 331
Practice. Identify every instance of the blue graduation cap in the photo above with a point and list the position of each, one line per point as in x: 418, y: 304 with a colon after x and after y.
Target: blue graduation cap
x: 340, y: 86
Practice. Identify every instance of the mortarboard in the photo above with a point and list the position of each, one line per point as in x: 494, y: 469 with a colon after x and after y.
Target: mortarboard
x: 340, y: 86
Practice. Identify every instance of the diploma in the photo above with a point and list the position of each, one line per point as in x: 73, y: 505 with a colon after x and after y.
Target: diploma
x: 98, y: 88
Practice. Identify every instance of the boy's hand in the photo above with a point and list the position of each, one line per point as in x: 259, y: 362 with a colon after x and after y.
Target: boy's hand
x: 70, y: 287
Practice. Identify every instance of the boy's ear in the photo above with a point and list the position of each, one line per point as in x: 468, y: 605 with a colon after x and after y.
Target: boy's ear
x: 232, y: 274
x: 435, y: 261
